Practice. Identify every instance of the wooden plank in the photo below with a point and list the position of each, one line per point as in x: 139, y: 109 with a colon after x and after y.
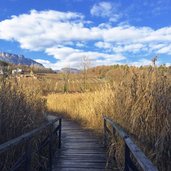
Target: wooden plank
x: 71, y: 163
x: 83, y: 149
x: 83, y: 160
x: 79, y: 169
x: 5, y: 146
x: 93, y: 156
x: 70, y: 140
x: 83, y: 143
x: 140, y: 157
x: 117, y: 128
x: 85, y: 166
x: 143, y: 161
x: 78, y: 157
x: 80, y: 151
x: 80, y: 145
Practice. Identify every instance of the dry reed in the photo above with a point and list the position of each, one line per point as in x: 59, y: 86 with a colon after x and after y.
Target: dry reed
x: 140, y: 102
x: 21, y: 110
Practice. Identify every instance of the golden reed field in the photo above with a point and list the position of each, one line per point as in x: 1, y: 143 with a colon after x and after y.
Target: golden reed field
x: 139, y: 99
x: 21, y: 110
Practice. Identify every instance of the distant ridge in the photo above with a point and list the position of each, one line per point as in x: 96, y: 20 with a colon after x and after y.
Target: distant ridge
x: 68, y: 70
x: 18, y: 60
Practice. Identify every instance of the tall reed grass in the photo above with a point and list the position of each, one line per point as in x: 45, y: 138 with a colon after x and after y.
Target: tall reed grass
x: 140, y: 102
x: 21, y: 110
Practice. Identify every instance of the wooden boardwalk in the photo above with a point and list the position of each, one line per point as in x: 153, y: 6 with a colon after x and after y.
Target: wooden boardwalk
x: 80, y: 150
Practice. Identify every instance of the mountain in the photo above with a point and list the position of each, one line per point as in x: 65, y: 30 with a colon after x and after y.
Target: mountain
x: 70, y: 70
x: 18, y: 60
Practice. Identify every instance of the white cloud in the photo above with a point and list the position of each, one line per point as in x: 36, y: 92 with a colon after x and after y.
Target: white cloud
x: 168, y: 64
x: 79, y: 44
x: 160, y: 48
x: 53, y: 28
x: 129, y: 48
x: 56, y: 33
x: 39, y: 30
x: 141, y: 62
x: 45, y: 62
x: 102, y: 9
x: 104, y: 45
x: 126, y: 34
x: 165, y: 50
x: 70, y: 53
x: 73, y: 57
x: 106, y: 9
x: 156, y: 46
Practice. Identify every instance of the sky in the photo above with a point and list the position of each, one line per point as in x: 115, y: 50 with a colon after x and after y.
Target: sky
x: 62, y: 33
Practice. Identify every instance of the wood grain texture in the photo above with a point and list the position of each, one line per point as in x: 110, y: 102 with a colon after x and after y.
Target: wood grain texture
x: 80, y: 150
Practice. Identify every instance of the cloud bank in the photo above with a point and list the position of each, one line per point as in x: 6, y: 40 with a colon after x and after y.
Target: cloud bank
x: 68, y: 37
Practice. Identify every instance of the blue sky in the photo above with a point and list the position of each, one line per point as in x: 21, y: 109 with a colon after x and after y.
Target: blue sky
x: 60, y: 33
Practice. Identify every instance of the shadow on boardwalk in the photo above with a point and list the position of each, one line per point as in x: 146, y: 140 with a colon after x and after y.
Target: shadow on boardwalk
x: 80, y: 151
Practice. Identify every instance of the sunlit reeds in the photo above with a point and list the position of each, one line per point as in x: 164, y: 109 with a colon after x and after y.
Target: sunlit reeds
x: 140, y: 102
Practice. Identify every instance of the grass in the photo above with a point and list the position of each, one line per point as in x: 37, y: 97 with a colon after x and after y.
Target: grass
x: 20, y: 111
x: 139, y: 99
x: 140, y: 103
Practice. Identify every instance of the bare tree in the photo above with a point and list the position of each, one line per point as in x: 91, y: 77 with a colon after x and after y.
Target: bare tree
x: 154, y: 60
x: 86, y: 65
x: 66, y: 78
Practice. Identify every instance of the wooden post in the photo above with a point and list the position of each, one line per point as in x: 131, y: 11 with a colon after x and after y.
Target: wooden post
x: 28, y: 156
x: 104, y: 134
x: 50, y: 148
x: 113, y: 131
x: 127, y: 158
x: 59, y: 136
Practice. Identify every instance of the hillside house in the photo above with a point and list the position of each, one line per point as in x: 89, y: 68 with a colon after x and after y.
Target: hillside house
x: 17, y: 71
x: 1, y: 72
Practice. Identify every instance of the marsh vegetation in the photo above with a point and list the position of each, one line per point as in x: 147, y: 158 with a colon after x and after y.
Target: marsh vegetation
x: 139, y: 99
